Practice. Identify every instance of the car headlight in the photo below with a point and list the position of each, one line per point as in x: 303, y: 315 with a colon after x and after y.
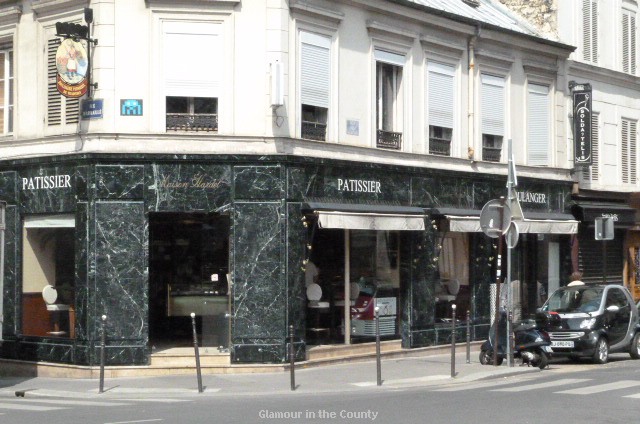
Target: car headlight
x: 587, y: 323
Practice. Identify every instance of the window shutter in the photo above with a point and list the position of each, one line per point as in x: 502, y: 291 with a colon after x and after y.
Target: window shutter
x: 628, y: 42
x: 54, y: 98
x: 388, y: 57
x: 595, y: 149
x: 628, y: 151
x: 538, y: 125
x: 492, y: 105
x: 590, y: 30
x: 192, y: 59
x: 315, y: 70
x: 440, y: 86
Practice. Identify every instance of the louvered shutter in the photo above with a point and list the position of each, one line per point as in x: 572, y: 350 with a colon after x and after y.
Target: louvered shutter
x: 492, y: 105
x: 315, y: 69
x: 590, y: 30
x: 595, y: 148
x: 591, y: 260
x: 192, y: 59
x: 440, y: 92
x: 60, y: 109
x: 628, y: 151
x: 538, y: 125
x: 628, y: 42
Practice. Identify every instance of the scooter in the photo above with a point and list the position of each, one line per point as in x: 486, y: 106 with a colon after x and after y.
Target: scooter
x: 532, y: 345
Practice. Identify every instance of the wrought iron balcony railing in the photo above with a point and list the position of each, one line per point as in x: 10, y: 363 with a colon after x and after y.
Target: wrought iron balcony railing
x: 389, y: 140
x: 314, y: 131
x: 491, y: 154
x: 192, y: 122
x: 439, y: 146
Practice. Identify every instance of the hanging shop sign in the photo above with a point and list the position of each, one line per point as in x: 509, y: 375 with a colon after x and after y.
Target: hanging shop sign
x: 582, y: 125
x: 71, y: 65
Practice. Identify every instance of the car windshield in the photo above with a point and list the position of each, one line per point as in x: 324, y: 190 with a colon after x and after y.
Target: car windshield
x: 574, y: 300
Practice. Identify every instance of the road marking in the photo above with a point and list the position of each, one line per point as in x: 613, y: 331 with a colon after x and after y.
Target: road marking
x: 553, y: 383
x: 480, y: 385
x: 159, y: 400
x: 589, y: 390
x: 25, y: 407
x: 138, y: 421
x: 636, y: 396
x: 75, y: 402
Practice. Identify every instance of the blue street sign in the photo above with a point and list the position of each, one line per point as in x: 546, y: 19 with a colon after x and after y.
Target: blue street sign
x: 91, y: 109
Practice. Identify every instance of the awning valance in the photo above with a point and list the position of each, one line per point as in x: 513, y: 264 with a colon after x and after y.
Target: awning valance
x: 50, y: 221
x: 471, y: 224
x: 621, y: 214
x: 367, y: 217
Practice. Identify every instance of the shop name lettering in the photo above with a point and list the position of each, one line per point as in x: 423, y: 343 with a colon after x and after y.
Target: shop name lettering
x: 611, y: 216
x: 362, y: 186
x: 198, y: 181
x: 527, y: 197
x: 48, y: 181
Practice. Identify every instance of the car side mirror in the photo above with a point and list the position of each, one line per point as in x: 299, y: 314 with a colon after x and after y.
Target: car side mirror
x: 613, y: 308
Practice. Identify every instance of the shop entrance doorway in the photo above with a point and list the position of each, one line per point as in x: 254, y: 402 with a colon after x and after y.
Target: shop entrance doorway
x: 188, y: 273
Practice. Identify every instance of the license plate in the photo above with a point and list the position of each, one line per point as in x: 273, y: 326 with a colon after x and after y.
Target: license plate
x: 562, y: 343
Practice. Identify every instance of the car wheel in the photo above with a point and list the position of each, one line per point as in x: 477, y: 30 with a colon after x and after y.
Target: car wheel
x: 634, y: 349
x: 485, y: 358
x: 601, y: 354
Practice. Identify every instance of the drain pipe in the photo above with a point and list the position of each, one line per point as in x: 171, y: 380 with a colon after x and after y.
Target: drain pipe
x: 471, y: 93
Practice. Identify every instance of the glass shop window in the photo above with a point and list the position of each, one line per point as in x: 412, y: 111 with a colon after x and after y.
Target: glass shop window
x: 48, y: 284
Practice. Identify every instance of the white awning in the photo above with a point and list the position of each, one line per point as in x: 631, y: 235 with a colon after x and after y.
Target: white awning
x: 471, y: 224
x: 50, y: 221
x: 370, y: 221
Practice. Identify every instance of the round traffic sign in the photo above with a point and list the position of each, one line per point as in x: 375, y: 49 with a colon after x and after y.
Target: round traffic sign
x: 512, y: 236
x: 495, y: 218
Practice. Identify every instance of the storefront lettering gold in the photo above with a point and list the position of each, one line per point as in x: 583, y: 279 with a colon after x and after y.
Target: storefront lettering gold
x: 198, y: 181
x: 47, y: 181
x: 362, y: 186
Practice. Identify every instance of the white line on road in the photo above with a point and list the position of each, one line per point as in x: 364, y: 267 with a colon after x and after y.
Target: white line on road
x: 589, y: 390
x: 25, y: 407
x: 75, y: 402
x: 159, y: 400
x: 479, y: 385
x: 553, y: 383
x: 138, y: 421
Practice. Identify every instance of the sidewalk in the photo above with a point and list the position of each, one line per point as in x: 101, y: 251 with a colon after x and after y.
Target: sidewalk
x: 410, y: 371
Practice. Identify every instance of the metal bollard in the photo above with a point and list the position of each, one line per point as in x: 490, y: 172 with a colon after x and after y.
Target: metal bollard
x: 510, y: 339
x: 378, y: 364
x: 468, y: 337
x: 195, y: 347
x: 453, y: 341
x: 102, y: 345
x: 292, y: 359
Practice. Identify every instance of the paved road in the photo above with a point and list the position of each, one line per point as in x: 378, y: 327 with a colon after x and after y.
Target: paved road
x: 567, y: 393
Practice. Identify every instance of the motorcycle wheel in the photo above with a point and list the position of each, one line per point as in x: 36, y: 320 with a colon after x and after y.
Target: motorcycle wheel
x: 486, y: 358
x: 543, y: 360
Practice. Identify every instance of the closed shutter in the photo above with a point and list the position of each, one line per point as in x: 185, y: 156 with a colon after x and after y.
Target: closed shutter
x: 628, y: 157
x: 492, y: 105
x: 590, y: 30
x: 595, y: 148
x: 628, y: 42
x: 192, y: 59
x: 591, y: 259
x: 538, y: 125
x: 389, y: 57
x: 315, y: 69
x: 440, y: 87
x: 60, y: 109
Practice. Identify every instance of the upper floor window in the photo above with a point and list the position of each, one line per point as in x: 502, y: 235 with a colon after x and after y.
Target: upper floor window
x: 389, y: 99
x: 629, y: 156
x: 628, y: 42
x: 492, y: 104
x: 538, y: 125
x: 440, y: 86
x: 192, y: 75
x: 6, y: 91
x: 590, y: 30
x: 60, y: 110
x: 315, y: 77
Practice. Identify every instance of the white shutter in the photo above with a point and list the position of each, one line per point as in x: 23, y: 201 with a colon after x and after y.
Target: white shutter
x: 628, y: 42
x: 590, y: 30
x: 315, y: 69
x: 628, y: 157
x: 492, y: 105
x: 192, y: 59
x: 54, y: 98
x: 538, y: 124
x: 440, y: 87
x: 388, y: 57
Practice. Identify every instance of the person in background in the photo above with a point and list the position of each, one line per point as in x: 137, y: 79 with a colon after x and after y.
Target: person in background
x: 576, y: 279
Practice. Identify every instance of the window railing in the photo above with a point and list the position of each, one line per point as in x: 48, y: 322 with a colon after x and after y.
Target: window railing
x: 389, y: 140
x: 192, y: 122
x: 439, y: 146
x: 491, y: 154
x: 314, y: 131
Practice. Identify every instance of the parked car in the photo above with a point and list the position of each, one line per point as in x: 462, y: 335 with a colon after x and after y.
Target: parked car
x: 592, y: 321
